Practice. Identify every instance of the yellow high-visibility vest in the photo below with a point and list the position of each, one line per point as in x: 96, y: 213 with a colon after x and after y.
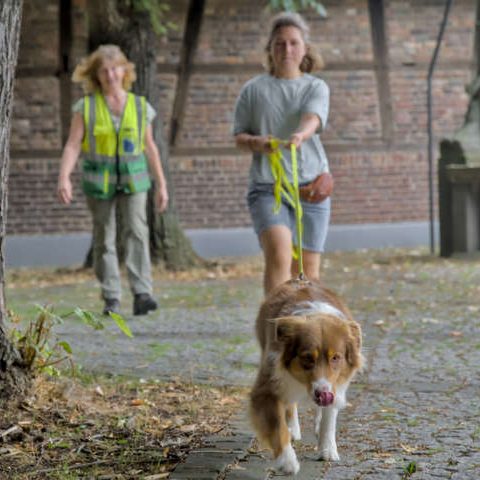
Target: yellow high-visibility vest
x: 114, y: 161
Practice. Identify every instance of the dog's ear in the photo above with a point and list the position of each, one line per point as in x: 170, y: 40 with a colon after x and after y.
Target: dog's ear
x: 354, y: 345
x: 283, y: 329
x: 286, y: 327
x: 286, y: 334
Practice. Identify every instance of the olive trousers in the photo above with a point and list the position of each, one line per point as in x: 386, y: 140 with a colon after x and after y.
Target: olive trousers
x: 133, y: 211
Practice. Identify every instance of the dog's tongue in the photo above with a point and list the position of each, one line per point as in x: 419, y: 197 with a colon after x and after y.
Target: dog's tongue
x: 324, y: 398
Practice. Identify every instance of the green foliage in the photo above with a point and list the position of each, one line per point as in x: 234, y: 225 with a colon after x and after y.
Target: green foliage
x: 40, y: 350
x: 121, y: 324
x: 157, y: 11
x: 296, y: 5
x: 409, y: 470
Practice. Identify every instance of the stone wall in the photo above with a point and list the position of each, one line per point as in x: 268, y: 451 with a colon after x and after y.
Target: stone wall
x: 379, y: 160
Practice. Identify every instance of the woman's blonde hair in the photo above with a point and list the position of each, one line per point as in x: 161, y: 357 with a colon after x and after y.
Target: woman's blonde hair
x: 86, y: 72
x: 312, y: 59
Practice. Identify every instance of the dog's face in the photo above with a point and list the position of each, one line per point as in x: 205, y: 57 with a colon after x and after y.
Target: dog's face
x: 320, y: 351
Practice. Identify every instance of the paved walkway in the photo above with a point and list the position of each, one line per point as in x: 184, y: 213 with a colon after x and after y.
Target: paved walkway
x: 414, y: 412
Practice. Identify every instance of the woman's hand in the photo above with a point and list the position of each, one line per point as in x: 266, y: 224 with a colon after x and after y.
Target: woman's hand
x: 70, y: 155
x: 309, y: 123
x: 64, y: 190
x: 296, y: 139
x: 254, y: 143
x: 261, y: 144
x: 161, y: 198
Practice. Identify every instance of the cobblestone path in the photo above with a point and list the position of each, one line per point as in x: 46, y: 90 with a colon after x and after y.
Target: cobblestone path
x: 413, y: 413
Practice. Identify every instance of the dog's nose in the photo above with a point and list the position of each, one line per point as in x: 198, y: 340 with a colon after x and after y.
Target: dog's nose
x: 323, y: 398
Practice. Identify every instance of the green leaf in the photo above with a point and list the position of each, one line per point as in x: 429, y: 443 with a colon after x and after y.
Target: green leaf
x: 275, y: 4
x: 66, y: 346
x: 121, y: 324
x: 89, y: 318
x: 52, y: 371
x: 295, y: 5
x: 48, y: 312
x: 290, y: 5
x: 411, y: 468
x: 321, y: 10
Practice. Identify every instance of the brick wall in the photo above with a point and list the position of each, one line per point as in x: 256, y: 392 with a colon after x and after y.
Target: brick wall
x: 376, y: 181
x: 33, y: 207
x: 376, y: 187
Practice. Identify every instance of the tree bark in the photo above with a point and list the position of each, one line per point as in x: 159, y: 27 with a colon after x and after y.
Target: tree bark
x: 14, y: 379
x: 112, y: 22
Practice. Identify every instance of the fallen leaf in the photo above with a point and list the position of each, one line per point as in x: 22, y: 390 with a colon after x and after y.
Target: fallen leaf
x: 408, y: 448
x: 433, y: 321
x: 24, y: 423
x: 456, y: 333
x: 188, y: 428
x: 98, y: 390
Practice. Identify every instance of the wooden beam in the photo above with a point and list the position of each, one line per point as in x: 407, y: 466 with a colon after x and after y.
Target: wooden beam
x: 358, y: 146
x: 332, y: 147
x: 376, y: 9
x: 256, y: 68
x: 477, y: 41
x: 65, y: 28
x: 190, y: 41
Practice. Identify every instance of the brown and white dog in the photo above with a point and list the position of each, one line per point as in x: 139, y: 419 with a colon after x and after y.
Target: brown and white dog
x: 310, y: 346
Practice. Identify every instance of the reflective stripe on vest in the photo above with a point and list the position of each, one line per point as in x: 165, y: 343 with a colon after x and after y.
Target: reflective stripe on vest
x: 114, y: 161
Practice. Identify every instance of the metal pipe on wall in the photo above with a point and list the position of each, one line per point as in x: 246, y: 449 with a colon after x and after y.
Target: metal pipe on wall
x: 429, y: 122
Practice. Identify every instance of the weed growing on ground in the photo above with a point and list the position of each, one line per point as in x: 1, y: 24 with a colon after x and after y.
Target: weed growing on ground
x: 41, y: 350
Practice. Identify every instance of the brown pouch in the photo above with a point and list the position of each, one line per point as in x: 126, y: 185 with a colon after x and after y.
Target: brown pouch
x: 317, y: 190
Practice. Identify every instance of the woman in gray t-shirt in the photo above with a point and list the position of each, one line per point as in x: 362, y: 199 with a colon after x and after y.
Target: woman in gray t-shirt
x: 290, y: 104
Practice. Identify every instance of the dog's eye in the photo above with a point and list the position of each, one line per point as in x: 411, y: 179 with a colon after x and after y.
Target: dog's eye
x: 335, y: 358
x: 308, y: 362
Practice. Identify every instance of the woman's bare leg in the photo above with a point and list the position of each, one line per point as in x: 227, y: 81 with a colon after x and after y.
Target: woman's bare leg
x: 311, y: 265
x: 276, y: 243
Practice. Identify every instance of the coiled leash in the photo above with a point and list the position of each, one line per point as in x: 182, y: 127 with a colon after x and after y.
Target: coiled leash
x: 291, y: 193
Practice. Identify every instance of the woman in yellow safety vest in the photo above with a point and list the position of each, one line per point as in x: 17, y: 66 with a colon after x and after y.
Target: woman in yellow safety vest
x: 111, y: 131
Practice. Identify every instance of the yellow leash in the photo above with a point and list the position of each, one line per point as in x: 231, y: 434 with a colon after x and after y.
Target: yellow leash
x: 291, y: 193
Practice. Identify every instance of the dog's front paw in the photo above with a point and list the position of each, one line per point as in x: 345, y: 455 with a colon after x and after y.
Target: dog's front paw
x: 328, y: 453
x: 287, y: 461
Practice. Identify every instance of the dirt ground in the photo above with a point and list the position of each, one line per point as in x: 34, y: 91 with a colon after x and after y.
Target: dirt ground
x: 68, y: 429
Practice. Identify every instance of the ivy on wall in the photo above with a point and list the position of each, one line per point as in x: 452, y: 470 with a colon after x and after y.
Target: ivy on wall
x: 295, y: 5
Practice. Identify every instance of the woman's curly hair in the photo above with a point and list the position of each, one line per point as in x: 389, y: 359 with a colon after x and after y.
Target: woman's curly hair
x: 86, y: 72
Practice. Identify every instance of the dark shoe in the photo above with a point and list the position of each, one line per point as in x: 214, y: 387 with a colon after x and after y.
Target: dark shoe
x: 143, y: 303
x: 112, y: 305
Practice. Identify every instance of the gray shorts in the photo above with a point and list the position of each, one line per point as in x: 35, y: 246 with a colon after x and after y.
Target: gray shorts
x: 316, y: 216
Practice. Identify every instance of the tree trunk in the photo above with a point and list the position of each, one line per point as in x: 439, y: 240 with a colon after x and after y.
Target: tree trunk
x: 132, y: 31
x: 14, y: 379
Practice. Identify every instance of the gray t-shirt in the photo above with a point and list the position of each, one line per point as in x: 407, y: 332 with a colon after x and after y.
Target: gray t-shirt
x: 268, y: 105
x: 78, y: 108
